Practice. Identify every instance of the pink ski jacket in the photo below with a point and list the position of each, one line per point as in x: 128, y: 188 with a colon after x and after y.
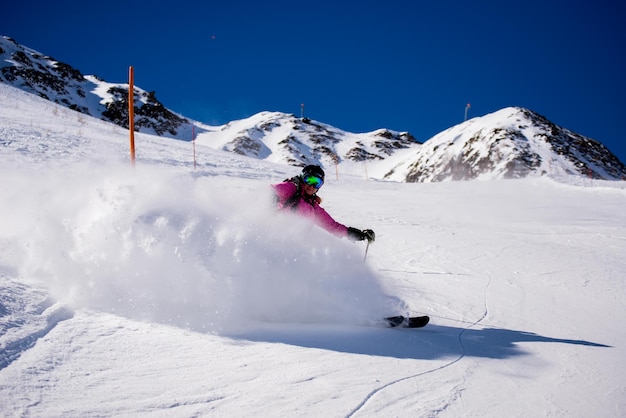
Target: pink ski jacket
x: 309, y: 208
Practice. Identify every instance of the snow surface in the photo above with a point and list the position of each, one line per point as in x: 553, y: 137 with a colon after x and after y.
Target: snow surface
x: 168, y: 291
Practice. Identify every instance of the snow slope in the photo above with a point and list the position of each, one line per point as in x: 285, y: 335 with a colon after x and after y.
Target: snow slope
x: 168, y: 291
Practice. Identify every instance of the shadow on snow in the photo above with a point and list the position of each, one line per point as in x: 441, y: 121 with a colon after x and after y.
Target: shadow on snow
x: 433, y: 342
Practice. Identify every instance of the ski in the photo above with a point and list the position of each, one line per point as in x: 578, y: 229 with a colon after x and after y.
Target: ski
x: 407, y: 322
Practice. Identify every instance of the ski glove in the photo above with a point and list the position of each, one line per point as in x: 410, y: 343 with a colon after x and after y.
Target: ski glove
x: 358, y: 235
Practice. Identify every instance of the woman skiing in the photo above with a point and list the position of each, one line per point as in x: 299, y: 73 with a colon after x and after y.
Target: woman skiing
x: 299, y: 194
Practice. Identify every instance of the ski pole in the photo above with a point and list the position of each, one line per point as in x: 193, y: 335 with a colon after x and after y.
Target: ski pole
x: 366, y: 248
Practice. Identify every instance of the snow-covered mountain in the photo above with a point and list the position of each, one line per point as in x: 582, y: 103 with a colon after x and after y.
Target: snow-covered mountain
x: 284, y: 138
x: 59, y: 82
x: 293, y: 140
x: 510, y: 143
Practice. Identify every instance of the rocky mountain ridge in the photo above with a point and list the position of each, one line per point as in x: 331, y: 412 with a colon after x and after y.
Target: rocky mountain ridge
x: 59, y: 82
x: 285, y: 138
x: 513, y: 142
x: 510, y: 143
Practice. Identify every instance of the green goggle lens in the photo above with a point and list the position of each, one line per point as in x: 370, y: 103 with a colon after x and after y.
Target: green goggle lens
x: 313, y: 181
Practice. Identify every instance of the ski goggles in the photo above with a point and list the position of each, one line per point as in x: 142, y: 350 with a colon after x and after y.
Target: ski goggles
x: 314, y: 181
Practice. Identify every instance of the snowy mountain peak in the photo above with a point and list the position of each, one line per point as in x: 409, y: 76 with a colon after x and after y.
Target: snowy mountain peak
x: 285, y: 138
x: 510, y: 143
x: 58, y: 82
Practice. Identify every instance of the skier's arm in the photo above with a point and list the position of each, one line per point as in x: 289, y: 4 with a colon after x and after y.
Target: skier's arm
x: 325, y: 221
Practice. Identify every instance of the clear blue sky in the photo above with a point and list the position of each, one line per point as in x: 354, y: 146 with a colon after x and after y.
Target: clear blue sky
x: 406, y: 65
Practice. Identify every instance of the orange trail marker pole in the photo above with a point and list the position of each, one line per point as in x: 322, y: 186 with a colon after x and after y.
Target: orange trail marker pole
x: 131, y: 112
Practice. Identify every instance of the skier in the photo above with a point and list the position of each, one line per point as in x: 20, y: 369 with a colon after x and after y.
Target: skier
x: 299, y: 194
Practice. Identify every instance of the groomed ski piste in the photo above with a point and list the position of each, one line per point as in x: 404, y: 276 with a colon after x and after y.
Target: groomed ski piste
x: 161, y: 290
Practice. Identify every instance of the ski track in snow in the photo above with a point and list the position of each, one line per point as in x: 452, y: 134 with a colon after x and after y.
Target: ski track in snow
x: 390, y: 385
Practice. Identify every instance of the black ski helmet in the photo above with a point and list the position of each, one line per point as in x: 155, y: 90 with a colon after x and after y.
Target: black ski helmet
x: 312, y: 170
